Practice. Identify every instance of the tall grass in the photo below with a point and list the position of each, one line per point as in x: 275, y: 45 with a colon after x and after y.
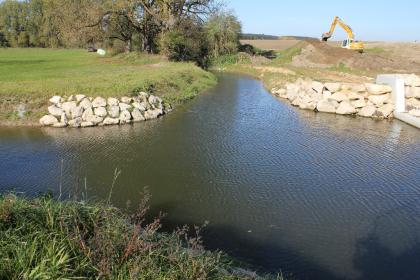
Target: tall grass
x: 43, y: 238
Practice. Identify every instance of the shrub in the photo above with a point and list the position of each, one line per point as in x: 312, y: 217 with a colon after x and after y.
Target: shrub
x: 186, y: 42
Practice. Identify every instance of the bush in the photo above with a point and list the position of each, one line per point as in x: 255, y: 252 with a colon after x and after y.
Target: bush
x: 186, y: 42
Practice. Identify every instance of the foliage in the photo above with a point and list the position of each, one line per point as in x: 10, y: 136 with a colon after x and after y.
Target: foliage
x: 223, y: 31
x: 186, y: 42
x: 185, y: 29
x: 46, y: 239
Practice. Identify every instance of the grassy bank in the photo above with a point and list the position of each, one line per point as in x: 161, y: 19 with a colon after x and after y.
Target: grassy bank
x: 29, y: 77
x: 280, y: 70
x: 46, y: 239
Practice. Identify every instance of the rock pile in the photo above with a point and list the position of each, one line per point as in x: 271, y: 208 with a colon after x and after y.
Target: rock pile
x: 366, y: 100
x: 83, y: 111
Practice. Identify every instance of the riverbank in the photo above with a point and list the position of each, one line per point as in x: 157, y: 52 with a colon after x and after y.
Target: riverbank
x: 30, y: 77
x: 302, y: 70
x: 45, y: 238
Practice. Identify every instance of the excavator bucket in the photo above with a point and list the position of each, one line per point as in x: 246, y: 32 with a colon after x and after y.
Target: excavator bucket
x: 326, y: 36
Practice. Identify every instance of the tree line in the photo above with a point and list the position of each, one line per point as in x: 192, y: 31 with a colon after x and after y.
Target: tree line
x: 197, y: 30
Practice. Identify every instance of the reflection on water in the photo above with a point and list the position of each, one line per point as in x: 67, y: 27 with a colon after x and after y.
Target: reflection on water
x: 318, y: 195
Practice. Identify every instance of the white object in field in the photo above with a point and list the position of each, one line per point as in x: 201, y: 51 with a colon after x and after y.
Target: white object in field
x: 101, y: 52
x: 398, y: 90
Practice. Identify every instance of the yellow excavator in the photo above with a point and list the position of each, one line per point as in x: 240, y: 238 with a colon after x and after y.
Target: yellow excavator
x: 349, y: 43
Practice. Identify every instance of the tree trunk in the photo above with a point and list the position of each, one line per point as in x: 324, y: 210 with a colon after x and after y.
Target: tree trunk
x: 128, y: 46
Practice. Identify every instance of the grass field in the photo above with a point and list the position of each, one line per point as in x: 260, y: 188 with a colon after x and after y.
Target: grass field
x: 31, y: 76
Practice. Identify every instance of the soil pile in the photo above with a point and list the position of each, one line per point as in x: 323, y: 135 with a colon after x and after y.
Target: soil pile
x: 321, y: 55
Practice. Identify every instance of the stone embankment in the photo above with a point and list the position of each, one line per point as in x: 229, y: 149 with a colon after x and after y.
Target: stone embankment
x: 366, y: 100
x: 83, y: 111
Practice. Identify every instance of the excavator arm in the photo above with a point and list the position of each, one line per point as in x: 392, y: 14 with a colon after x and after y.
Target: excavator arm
x: 338, y: 21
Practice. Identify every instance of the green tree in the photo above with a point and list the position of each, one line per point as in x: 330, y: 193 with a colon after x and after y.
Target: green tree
x: 186, y: 42
x: 223, y: 31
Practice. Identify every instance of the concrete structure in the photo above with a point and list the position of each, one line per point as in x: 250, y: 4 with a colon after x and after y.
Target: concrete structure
x: 398, y: 96
x: 398, y: 90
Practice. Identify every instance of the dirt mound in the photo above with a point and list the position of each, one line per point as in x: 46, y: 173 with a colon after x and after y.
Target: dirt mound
x: 321, y: 55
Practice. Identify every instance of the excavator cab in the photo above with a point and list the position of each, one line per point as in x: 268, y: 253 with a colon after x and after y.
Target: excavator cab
x: 351, y: 44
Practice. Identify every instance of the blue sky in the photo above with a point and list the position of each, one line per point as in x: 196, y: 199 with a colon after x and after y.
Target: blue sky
x: 370, y: 19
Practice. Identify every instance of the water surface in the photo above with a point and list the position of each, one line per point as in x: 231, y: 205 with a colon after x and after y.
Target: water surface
x: 317, y: 195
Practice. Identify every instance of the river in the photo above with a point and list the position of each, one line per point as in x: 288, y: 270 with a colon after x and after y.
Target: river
x: 317, y: 195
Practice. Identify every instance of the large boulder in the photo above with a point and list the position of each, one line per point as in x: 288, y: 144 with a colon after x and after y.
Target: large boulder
x: 137, y: 115
x: 379, y: 100
x: 85, y: 103
x: 153, y: 114
x: 86, y: 124
x: 333, y: 87
x: 377, y: 89
x: 316, y: 97
x: 75, y: 122
x: 317, y: 86
x: 415, y: 112
x: 55, y: 111
x: 139, y: 106
x: 59, y: 125
x: 68, y: 107
x: 412, y: 80
x: 80, y: 97
x: 110, y: 121
x: 125, y: 117
x: 87, y: 113
x: 345, y: 108
x: 99, y: 102
x: 386, y: 110
x: 281, y: 93
x: 326, y: 94
x: 124, y: 106
x: 325, y: 106
x: 100, y: 111
x: 114, y: 111
x: 367, y: 111
x: 94, y: 119
x: 48, y: 120
x: 295, y: 102
x: 412, y: 103
x: 56, y: 99
x: 76, y: 112
x: 340, y: 96
x: 126, y: 99
x: 143, y: 96
x: 291, y: 96
x: 113, y: 101
x: 354, y: 96
x: 358, y: 103
x: 357, y: 87
x: 63, y: 118
x: 413, y: 92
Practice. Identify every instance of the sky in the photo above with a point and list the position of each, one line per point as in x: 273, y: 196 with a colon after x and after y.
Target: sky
x: 371, y: 20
